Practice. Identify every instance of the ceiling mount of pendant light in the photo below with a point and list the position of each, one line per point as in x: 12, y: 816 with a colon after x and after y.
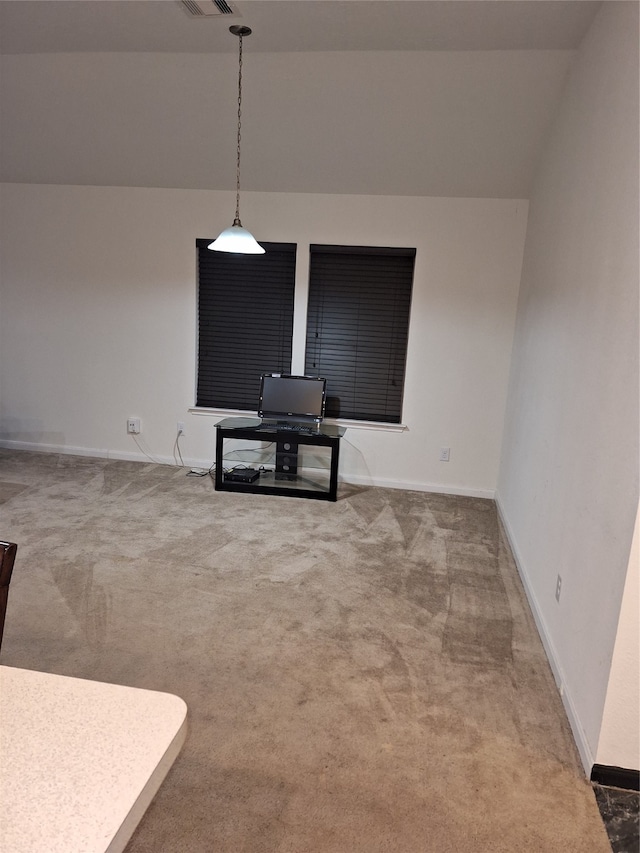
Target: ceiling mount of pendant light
x: 236, y: 238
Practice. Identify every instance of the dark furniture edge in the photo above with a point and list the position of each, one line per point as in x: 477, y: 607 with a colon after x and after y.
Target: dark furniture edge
x: 616, y: 777
x: 7, y: 559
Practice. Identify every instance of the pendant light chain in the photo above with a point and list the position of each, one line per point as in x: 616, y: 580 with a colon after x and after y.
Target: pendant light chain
x: 237, y: 219
x: 237, y: 239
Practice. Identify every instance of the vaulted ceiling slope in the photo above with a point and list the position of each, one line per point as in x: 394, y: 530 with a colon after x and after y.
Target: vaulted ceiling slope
x: 448, y: 98
x: 54, y: 26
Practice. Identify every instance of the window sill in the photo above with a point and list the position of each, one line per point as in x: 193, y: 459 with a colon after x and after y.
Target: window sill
x: 375, y: 425
x: 222, y: 413
x: 347, y: 424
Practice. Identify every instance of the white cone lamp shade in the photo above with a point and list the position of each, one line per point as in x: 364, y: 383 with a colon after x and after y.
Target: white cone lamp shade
x: 237, y: 239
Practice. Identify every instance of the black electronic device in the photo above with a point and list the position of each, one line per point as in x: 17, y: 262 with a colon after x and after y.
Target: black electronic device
x: 286, y: 426
x: 242, y: 475
x: 284, y: 397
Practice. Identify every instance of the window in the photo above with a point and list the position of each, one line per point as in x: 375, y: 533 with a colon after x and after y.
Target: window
x: 245, y: 322
x: 357, y: 328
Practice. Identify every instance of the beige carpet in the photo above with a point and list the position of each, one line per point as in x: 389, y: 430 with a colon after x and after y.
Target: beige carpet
x: 360, y: 676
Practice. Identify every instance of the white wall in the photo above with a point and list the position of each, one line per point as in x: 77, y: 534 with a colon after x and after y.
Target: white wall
x: 99, y: 308
x: 568, y: 487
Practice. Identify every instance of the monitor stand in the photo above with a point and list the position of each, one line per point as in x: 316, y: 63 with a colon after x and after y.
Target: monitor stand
x: 289, y: 465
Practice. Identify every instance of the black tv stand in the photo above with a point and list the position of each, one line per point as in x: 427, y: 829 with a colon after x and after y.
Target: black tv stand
x: 287, y: 478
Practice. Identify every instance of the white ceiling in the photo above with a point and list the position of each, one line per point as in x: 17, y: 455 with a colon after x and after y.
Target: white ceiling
x: 34, y: 26
x: 431, y: 98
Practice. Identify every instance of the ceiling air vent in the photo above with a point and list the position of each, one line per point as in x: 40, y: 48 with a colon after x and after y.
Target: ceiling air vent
x: 208, y: 8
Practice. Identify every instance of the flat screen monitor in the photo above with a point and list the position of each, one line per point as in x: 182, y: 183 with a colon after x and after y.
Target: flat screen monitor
x: 292, y: 398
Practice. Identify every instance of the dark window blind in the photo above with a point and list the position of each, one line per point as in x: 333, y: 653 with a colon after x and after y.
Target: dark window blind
x: 357, y: 328
x: 245, y: 322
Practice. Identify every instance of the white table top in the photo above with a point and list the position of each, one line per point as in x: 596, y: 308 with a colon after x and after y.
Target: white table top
x: 80, y: 761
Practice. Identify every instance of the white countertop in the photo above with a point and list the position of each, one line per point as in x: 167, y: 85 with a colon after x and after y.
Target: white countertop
x: 80, y: 761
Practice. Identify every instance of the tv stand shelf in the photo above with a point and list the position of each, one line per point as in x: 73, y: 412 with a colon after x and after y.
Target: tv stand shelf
x: 287, y: 478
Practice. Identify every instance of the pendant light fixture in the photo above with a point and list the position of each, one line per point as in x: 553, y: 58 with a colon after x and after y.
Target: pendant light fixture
x: 236, y: 238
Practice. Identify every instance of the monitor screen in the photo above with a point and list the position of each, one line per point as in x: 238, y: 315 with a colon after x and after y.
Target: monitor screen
x: 298, y: 398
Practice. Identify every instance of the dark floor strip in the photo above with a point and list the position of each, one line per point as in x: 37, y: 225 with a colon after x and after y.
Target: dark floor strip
x: 619, y: 809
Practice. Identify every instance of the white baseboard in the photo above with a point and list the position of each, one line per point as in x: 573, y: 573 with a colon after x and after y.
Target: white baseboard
x: 584, y: 750
x: 438, y: 488
x: 123, y: 455
x: 141, y: 456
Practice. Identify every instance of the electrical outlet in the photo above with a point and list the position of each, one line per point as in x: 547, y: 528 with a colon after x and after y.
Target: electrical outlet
x: 558, y: 588
x: 133, y: 426
x: 180, y: 427
x: 444, y: 454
